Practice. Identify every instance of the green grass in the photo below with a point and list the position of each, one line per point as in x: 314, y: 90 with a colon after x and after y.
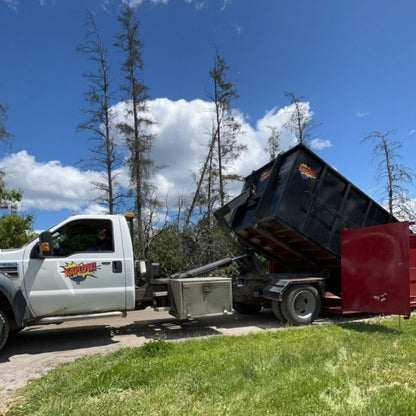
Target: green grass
x: 353, y: 369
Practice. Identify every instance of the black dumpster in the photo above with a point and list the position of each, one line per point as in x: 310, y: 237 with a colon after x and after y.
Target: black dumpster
x: 298, y: 208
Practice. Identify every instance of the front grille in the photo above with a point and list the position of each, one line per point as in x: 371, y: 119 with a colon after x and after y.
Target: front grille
x: 9, y: 269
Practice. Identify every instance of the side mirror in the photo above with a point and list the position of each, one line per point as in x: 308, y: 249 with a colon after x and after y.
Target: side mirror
x: 45, y: 244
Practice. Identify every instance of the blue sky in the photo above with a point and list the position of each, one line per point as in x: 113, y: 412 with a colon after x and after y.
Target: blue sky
x: 353, y: 61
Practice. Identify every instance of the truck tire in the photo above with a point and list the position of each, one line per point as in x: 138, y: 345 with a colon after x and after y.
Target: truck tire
x: 4, y: 329
x: 15, y: 331
x: 276, y: 308
x: 246, y: 308
x: 301, y: 305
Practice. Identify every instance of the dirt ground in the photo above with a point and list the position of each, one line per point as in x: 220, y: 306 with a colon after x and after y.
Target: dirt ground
x: 36, y: 350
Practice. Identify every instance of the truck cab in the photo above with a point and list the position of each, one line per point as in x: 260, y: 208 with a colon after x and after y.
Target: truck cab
x: 68, y: 271
x: 84, y: 268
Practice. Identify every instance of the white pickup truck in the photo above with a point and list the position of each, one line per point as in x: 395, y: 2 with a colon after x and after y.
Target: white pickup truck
x: 67, y: 274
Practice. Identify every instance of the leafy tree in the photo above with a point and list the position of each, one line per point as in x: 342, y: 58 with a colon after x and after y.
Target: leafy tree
x: 192, y: 247
x: 136, y: 133
x: 106, y: 156
x: 390, y: 171
x: 9, y: 198
x: 173, y: 249
x: 15, y: 230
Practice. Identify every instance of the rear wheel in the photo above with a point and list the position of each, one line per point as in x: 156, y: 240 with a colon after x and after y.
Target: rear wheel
x: 276, y: 308
x: 4, y: 329
x: 246, y: 308
x: 301, y: 305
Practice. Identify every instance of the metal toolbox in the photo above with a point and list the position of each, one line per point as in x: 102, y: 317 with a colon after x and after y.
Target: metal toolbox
x: 200, y: 296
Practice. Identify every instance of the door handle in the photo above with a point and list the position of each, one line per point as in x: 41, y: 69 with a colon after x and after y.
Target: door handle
x: 117, y: 266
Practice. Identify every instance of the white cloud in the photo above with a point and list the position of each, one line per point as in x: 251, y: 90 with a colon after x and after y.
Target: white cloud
x: 182, y: 130
x: 360, y: 115
x: 137, y: 3
x: 13, y: 4
x: 48, y: 186
x: 93, y: 209
x: 225, y: 4
x: 412, y: 132
x: 198, y: 4
x: 319, y: 144
x: 239, y: 29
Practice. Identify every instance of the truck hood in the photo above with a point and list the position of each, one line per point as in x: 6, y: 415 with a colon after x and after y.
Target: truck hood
x: 12, y: 254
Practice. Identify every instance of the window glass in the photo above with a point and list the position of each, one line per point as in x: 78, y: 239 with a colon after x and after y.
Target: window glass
x: 83, y: 236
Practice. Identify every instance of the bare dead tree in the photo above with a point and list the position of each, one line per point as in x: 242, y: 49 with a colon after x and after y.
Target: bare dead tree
x: 137, y: 135
x: 150, y: 231
x: 106, y: 157
x: 390, y: 171
x: 226, y: 127
x: 223, y: 146
x: 200, y: 181
x: 5, y: 136
x: 273, y: 142
x: 301, y: 122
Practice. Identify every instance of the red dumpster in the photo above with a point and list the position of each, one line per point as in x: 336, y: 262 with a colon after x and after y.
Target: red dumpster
x: 379, y: 269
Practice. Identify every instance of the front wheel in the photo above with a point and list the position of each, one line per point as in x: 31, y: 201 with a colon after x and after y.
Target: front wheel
x: 4, y: 329
x: 301, y: 305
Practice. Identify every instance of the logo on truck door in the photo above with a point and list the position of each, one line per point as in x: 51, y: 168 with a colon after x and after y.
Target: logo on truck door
x: 78, y: 272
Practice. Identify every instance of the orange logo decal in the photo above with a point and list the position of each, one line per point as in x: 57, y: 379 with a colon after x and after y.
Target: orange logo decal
x: 78, y: 272
x: 306, y: 172
x: 265, y: 175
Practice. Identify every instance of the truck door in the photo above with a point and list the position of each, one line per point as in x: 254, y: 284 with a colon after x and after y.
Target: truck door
x: 83, y: 274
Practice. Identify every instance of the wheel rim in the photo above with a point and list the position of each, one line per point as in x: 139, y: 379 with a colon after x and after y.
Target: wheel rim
x: 4, y: 329
x: 304, y: 304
